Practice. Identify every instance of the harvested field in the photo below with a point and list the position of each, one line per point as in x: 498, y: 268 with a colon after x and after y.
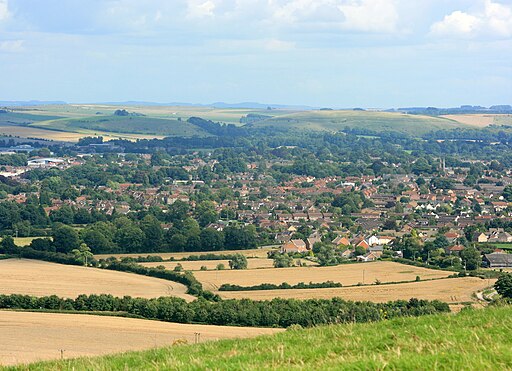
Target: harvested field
x: 450, y: 290
x: 38, y: 278
x: 211, y: 264
x: 347, y: 274
x: 478, y: 120
x: 251, y: 253
x: 29, y: 337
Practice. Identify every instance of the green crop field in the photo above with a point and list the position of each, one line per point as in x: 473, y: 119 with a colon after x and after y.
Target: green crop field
x: 374, y: 121
x: 471, y: 340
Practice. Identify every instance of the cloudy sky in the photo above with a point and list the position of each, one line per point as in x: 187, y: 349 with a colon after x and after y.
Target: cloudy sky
x: 339, y: 53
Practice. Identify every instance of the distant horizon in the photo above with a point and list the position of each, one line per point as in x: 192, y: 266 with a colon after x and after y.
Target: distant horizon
x: 233, y: 105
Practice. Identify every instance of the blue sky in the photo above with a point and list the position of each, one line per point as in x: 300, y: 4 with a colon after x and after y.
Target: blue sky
x: 338, y: 53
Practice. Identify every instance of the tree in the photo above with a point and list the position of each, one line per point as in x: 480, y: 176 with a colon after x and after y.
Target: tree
x: 7, y: 245
x: 238, y: 261
x: 504, y: 285
x: 83, y: 254
x: 282, y: 261
x: 65, y: 239
x: 472, y: 258
x: 211, y: 240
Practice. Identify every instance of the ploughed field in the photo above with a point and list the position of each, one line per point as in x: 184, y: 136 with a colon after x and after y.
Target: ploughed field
x: 450, y: 290
x: 346, y: 274
x: 38, y: 278
x: 28, y: 337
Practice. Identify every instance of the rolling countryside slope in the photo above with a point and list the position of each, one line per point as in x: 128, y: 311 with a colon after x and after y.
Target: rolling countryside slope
x: 373, y: 121
x: 470, y: 340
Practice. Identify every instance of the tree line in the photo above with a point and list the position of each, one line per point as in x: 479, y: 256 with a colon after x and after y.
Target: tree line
x: 273, y: 313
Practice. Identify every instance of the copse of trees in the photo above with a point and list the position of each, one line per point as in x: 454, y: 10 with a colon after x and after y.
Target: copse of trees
x: 274, y: 313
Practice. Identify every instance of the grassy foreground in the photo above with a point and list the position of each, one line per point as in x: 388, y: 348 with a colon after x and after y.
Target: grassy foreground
x: 473, y: 339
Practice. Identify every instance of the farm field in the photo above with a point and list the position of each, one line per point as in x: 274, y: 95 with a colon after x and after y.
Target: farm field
x: 470, y: 340
x: 482, y: 120
x: 347, y: 274
x: 251, y: 253
x: 29, y: 337
x: 450, y: 290
x: 38, y: 278
x: 211, y: 264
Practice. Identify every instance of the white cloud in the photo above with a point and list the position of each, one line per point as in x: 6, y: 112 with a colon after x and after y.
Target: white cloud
x: 12, y: 46
x: 492, y: 19
x: 370, y: 15
x: 201, y: 8
x: 4, y: 10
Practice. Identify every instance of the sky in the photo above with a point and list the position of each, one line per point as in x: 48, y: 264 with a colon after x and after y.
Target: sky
x: 327, y: 53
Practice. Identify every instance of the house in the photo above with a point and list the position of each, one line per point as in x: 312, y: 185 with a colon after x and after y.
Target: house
x: 370, y: 257
x: 498, y: 260
x: 314, y: 238
x: 341, y: 241
x: 480, y: 237
x: 348, y: 253
x: 454, y: 250
x: 294, y: 246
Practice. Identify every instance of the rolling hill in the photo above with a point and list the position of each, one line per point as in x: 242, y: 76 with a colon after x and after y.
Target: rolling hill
x: 470, y: 340
x: 373, y: 121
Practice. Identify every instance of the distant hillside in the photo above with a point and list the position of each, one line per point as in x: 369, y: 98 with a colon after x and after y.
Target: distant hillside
x: 133, y: 125
x: 326, y: 120
x: 471, y: 340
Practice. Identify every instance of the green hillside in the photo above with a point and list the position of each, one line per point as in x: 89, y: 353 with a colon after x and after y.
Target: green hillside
x: 127, y: 125
x: 470, y: 340
x: 21, y: 118
x: 374, y: 121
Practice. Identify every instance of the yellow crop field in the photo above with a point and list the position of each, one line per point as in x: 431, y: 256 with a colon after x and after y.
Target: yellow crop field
x: 348, y: 274
x: 251, y: 253
x: 38, y: 278
x: 28, y: 337
x: 450, y: 290
x: 211, y: 264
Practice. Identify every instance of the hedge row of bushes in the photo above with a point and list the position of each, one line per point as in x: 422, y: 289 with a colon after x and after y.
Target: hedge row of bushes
x: 274, y: 313
x: 282, y: 286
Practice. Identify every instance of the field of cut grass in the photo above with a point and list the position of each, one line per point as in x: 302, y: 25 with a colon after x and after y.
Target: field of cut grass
x: 375, y: 121
x: 29, y: 337
x: 481, y: 120
x: 38, y: 278
x: 450, y: 290
x: 251, y: 253
x: 211, y: 264
x: 347, y: 274
x: 470, y: 340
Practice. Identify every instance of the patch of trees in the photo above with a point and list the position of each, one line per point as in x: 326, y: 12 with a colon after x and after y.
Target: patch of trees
x: 274, y: 313
x: 282, y: 286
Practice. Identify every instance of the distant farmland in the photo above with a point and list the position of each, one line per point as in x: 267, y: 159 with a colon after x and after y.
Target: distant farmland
x: 38, y: 278
x: 374, y: 121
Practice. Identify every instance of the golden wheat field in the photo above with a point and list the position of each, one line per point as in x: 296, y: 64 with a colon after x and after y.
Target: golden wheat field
x: 348, y: 274
x: 28, y: 337
x: 450, y: 290
x: 256, y: 263
x: 251, y: 253
x: 38, y: 278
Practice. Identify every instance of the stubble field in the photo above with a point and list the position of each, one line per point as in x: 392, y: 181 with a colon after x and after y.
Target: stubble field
x: 348, y: 274
x: 29, y: 337
x: 38, y: 278
x: 450, y: 290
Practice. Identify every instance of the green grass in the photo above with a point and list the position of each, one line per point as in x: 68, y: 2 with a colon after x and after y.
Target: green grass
x: 375, y: 121
x: 17, y: 118
x: 470, y: 340
x: 127, y: 124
